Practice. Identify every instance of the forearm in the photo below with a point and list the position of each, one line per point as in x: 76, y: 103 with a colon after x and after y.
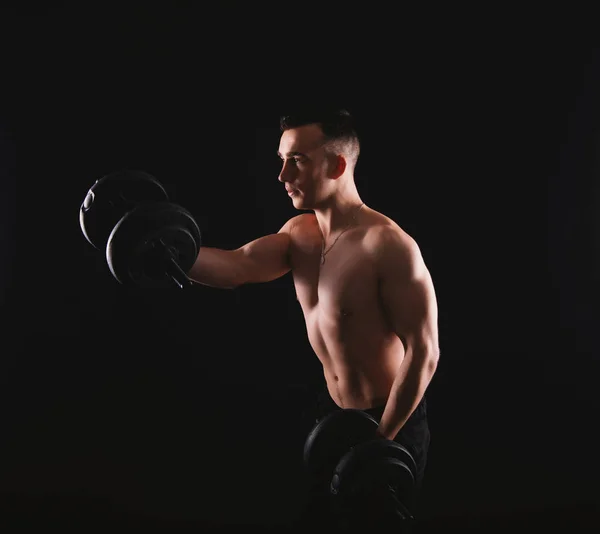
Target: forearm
x: 410, y: 384
x: 217, y: 268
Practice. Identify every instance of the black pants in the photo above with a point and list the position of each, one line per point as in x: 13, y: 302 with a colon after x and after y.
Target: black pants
x: 414, y: 435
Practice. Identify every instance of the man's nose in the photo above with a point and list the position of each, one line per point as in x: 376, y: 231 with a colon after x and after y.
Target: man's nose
x: 285, y: 175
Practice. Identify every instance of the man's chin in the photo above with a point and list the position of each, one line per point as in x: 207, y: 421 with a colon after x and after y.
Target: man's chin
x: 302, y: 206
x: 299, y: 202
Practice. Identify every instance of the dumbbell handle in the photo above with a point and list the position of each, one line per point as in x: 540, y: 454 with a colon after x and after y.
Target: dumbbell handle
x: 402, y: 511
x: 177, y: 274
x: 172, y: 268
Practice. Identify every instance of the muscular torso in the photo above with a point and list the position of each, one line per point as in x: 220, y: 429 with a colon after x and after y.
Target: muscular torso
x: 346, y: 324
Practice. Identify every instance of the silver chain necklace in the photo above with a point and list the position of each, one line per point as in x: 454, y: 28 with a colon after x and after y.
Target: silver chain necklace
x: 325, y: 252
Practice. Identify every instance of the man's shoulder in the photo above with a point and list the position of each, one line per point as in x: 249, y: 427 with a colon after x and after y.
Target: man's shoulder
x: 387, y: 237
x: 305, y: 218
x: 382, y: 229
x: 299, y: 223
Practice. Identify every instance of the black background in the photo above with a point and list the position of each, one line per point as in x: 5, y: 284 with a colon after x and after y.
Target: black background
x: 189, y: 408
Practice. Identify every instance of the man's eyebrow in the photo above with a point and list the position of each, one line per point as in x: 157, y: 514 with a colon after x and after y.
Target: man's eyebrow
x: 291, y: 154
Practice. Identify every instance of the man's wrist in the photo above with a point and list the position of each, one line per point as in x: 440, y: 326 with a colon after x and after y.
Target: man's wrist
x: 380, y: 435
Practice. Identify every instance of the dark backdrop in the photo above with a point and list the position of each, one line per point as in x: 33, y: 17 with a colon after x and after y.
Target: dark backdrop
x: 191, y: 407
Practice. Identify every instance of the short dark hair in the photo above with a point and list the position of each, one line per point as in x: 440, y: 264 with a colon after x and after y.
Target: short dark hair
x: 337, y: 124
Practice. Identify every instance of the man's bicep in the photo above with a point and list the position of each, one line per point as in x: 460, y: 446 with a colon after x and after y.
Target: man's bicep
x: 268, y: 257
x: 287, y: 229
x: 407, y: 293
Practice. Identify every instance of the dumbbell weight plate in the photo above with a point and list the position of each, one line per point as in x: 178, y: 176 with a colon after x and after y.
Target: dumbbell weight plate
x: 377, y: 462
x: 333, y: 436
x: 111, y: 197
x: 134, y: 250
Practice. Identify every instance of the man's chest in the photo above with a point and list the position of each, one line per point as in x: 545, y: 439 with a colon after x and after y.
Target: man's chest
x: 344, y: 283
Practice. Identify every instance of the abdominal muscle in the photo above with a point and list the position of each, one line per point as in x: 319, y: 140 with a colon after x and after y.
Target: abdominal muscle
x: 345, y: 321
x: 360, y: 358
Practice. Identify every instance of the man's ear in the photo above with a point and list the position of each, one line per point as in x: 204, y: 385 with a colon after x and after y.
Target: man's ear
x: 338, y: 166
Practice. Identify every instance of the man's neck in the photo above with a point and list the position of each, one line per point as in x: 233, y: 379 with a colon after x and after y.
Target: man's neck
x: 338, y: 214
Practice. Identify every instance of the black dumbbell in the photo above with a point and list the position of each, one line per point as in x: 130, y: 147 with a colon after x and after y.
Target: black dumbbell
x: 154, y: 245
x: 148, y: 240
x: 345, y: 457
x: 332, y: 437
x: 111, y: 197
x: 379, y: 467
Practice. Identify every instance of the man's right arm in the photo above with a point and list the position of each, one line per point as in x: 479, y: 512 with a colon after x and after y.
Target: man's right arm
x: 261, y: 260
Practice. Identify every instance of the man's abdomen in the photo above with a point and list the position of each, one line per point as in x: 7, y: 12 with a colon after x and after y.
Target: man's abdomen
x: 360, y: 361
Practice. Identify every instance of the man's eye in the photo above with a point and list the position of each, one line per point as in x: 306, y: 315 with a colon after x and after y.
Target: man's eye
x: 293, y: 160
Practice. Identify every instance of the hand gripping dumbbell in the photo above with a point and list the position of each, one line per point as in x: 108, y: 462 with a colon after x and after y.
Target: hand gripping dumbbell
x: 148, y: 241
x: 345, y: 459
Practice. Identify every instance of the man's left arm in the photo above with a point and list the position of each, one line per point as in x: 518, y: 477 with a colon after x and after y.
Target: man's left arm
x: 408, y: 297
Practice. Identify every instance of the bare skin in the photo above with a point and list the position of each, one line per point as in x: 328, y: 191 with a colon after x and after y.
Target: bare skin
x: 346, y: 324
x: 370, y: 308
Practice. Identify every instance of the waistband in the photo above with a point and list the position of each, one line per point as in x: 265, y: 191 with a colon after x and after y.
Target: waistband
x: 325, y: 404
x: 419, y: 412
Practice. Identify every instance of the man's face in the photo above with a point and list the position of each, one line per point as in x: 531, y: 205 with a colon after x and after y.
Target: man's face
x: 305, y: 165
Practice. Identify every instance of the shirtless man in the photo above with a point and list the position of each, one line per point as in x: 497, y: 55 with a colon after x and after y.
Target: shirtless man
x: 367, y: 297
